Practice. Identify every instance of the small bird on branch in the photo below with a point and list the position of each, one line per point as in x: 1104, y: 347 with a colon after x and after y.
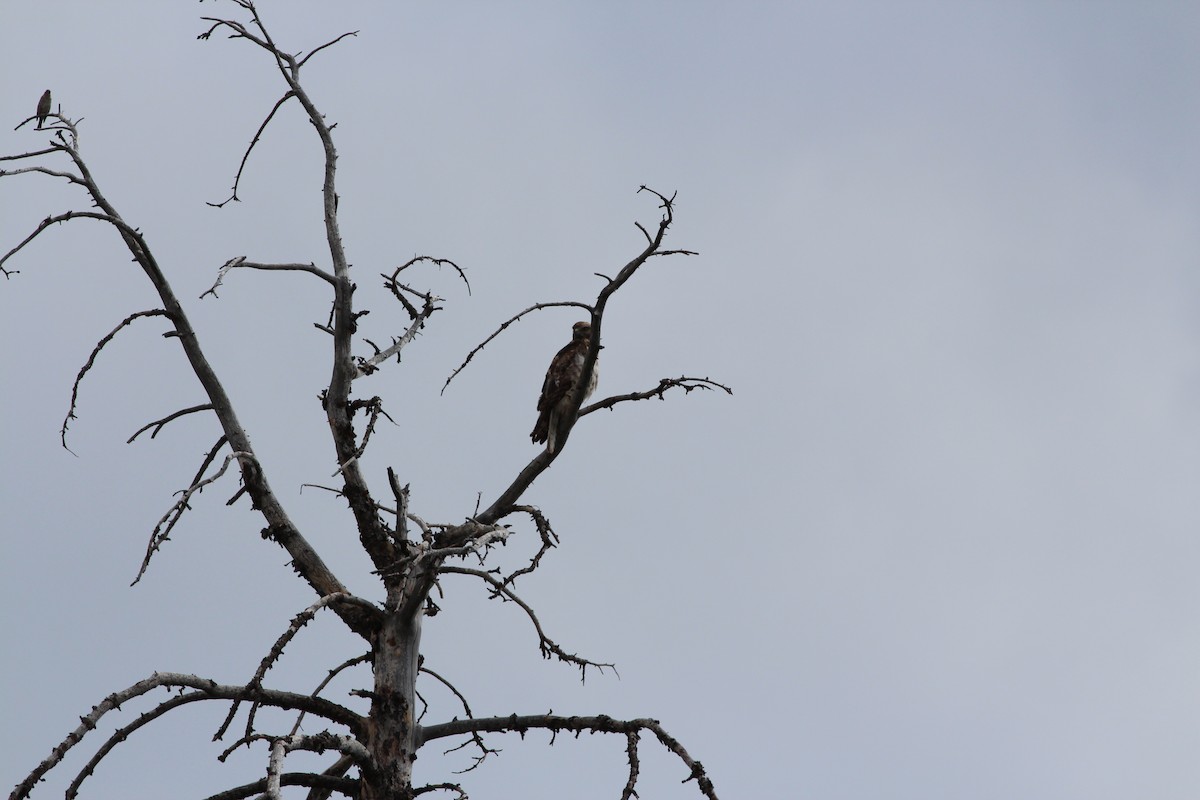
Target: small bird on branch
x: 565, y: 371
x: 43, y: 109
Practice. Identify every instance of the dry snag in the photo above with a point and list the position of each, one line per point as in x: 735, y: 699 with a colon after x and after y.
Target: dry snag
x: 370, y: 755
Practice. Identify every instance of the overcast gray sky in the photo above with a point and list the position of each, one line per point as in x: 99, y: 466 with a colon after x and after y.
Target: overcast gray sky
x: 940, y: 543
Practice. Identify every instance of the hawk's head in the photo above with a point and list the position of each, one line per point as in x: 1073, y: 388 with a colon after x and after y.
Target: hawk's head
x: 581, y: 330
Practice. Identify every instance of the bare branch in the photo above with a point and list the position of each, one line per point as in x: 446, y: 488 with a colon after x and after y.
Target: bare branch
x: 159, y: 423
x: 547, y: 646
x: 631, y: 750
x: 156, y: 312
x: 241, y: 263
x: 375, y: 404
x: 162, y: 531
x: 121, y: 734
x: 598, y: 724
x: 112, y: 219
x: 73, y: 178
x: 245, y: 156
x: 329, y: 783
x: 212, y: 691
x: 476, y: 538
x: 327, y: 44
x: 436, y: 262
x: 333, y: 673
x: 366, y: 366
x: 298, y: 622
x: 476, y: 739
x: 319, y: 742
x: 29, y: 154
x: 442, y: 787
x: 687, y: 384
x: 545, y: 532
x: 500, y: 330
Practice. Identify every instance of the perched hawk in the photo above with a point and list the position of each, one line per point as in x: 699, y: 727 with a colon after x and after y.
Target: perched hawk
x: 43, y: 108
x: 563, y: 375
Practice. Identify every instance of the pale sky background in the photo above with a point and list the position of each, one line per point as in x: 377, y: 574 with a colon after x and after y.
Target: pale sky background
x: 942, y: 542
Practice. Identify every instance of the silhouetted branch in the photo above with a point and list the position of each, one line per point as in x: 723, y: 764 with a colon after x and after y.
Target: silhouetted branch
x: 476, y: 739
x: 547, y: 645
x: 245, y: 156
x: 577, y: 725
x: 121, y: 734
x: 159, y: 423
x: 156, y: 312
x: 162, y: 531
x: 375, y: 404
x: 4, y: 173
x: 500, y: 330
x: 327, y: 44
x: 441, y: 787
x: 298, y: 622
x: 687, y: 384
x: 545, y: 532
x: 333, y: 673
x: 111, y: 219
x: 436, y: 262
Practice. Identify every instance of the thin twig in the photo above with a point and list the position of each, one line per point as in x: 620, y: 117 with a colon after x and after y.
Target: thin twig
x: 253, y: 142
x: 547, y: 645
x: 298, y: 622
x: 545, y: 533
x: 687, y: 384
x: 159, y: 423
x: 500, y: 330
x: 162, y: 531
x: 155, y: 312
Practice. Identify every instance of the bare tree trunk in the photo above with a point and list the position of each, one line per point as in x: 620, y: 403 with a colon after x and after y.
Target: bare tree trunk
x: 392, y: 730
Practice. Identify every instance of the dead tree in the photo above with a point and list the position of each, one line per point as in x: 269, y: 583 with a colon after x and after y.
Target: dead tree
x: 371, y: 755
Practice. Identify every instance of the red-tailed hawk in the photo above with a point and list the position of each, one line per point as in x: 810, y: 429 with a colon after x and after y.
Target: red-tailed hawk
x: 43, y: 108
x: 563, y: 375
